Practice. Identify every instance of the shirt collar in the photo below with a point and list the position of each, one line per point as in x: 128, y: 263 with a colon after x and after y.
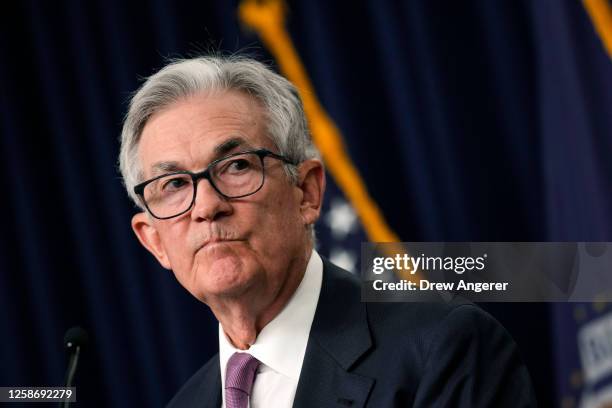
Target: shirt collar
x: 281, y: 344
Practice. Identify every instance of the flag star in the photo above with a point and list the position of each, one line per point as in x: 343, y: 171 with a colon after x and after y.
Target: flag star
x: 344, y: 259
x: 341, y: 219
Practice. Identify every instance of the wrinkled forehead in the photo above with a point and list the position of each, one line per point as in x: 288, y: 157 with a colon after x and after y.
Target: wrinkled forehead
x: 191, y: 133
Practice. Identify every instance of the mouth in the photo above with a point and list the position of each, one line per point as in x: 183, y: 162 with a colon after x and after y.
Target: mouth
x: 217, y: 242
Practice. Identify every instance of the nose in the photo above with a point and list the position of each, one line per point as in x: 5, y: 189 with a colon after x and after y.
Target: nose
x: 209, y: 205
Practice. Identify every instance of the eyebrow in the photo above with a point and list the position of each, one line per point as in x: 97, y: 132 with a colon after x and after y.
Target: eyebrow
x: 219, y: 151
x: 229, y: 145
x: 165, y: 167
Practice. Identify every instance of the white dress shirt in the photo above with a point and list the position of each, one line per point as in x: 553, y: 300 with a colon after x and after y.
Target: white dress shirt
x: 281, y: 344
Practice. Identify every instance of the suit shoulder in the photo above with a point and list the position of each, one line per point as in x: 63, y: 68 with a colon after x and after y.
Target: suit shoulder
x: 473, y: 359
x: 419, y: 327
x: 419, y: 316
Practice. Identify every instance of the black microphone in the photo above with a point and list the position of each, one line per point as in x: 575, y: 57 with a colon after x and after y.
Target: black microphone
x: 74, y: 340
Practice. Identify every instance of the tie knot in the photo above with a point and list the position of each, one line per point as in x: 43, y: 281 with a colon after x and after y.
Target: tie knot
x: 240, y: 372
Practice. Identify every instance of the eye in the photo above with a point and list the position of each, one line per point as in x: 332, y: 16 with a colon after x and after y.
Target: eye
x: 174, y: 184
x: 238, y: 165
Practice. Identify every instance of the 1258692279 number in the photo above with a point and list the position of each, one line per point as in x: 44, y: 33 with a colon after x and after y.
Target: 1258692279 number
x: 37, y: 394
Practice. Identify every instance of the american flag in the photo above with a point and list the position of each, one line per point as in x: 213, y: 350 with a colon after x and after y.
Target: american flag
x: 339, y: 231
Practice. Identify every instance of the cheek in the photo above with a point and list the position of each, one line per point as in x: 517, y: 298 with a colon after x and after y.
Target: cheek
x: 279, y: 223
x: 177, y: 247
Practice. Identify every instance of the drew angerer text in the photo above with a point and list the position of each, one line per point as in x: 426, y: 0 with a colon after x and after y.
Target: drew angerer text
x: 424, y: 284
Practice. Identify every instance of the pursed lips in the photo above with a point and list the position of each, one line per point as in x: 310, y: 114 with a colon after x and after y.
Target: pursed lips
x: 215, y: 241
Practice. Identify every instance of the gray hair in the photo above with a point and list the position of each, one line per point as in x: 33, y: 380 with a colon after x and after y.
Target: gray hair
x: 287, y: 127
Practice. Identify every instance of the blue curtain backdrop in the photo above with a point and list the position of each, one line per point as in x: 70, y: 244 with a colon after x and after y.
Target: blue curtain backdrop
x: 471, y: 120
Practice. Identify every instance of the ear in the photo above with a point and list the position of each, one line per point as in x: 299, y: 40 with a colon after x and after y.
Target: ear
x: 312, y: 183
x: 149, y: 237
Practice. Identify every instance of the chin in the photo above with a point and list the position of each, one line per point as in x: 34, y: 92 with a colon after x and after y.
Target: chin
x: 223, y: 273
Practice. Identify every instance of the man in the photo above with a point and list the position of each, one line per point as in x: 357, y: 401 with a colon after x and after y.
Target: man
x: 217, y: 154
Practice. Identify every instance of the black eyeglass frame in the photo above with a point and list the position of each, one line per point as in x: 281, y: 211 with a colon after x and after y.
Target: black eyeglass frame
x: 205, y: 174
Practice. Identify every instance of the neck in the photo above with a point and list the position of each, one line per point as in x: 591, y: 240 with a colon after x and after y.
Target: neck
x: 243, y: 317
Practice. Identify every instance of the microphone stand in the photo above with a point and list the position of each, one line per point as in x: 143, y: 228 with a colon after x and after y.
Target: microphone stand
x: 72, y: 365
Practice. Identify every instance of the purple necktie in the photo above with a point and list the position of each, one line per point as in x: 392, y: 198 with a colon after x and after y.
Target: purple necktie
x: 239, y: 377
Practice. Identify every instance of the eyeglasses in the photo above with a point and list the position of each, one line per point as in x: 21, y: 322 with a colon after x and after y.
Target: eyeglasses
x: 234, y: 176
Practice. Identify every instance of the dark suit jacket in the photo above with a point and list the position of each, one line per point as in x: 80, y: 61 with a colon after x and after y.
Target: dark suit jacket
x: 393, y: 355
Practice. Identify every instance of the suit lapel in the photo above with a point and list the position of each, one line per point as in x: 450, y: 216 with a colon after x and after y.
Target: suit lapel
x: 209, y: 392
x: 338, y: 338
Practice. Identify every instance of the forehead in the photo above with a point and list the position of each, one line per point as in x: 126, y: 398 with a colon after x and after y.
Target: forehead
x: 192, y: 132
